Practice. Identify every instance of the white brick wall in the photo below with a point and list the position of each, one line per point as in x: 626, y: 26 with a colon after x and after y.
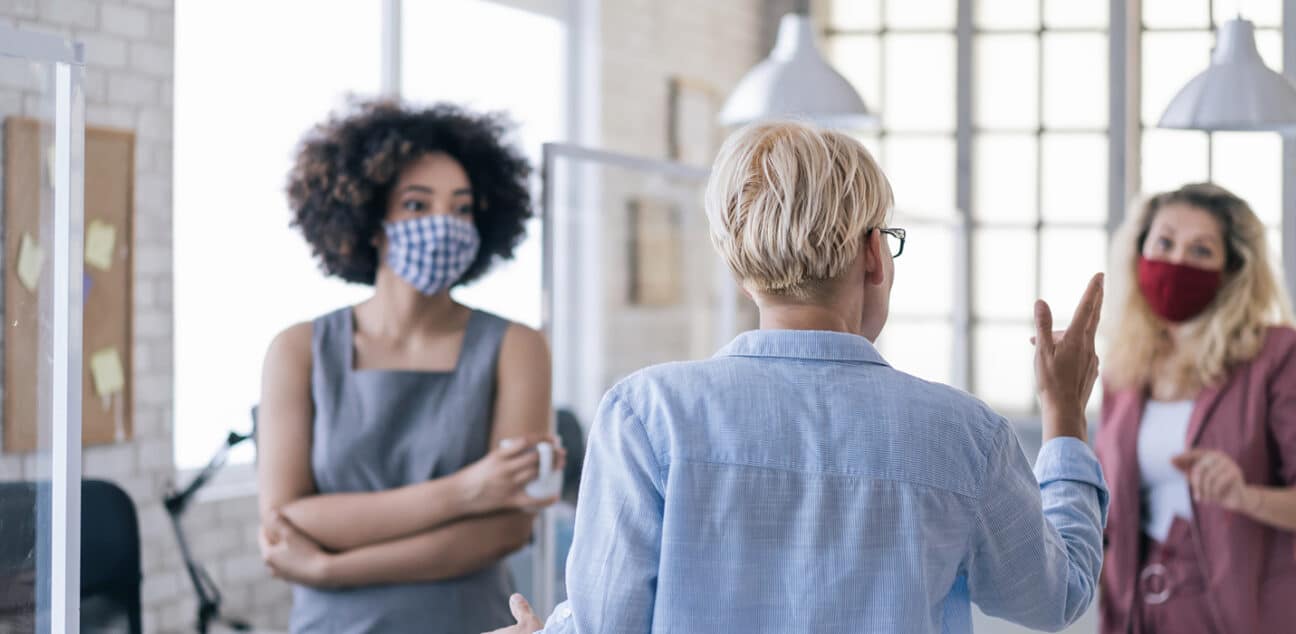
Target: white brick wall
x: 104, y: 51
x: 75, y: 13
x: 128, y: 22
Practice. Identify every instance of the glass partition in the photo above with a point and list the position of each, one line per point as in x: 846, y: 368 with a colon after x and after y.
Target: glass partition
x: 40, y: 450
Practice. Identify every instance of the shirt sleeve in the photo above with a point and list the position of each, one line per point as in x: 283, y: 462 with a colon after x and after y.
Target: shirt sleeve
x: 1282, y: 415
x: 612, y: 568
x: 1037, y: 539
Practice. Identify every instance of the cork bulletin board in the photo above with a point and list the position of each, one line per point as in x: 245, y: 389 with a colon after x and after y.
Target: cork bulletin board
x: 107, y: 283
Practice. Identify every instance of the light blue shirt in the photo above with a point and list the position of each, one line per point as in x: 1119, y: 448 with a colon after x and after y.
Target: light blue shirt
x: 797, y: 483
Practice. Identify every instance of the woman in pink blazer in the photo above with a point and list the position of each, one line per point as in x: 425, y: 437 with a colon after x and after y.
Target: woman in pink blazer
x: 1198, y: 435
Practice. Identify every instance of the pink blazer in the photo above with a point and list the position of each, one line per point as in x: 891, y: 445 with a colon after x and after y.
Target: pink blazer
x: 1250, y: 567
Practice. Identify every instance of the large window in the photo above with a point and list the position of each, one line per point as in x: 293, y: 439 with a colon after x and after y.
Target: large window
x: 241, y: 273
x: 1177, y: 39
x: 902, y: 59
x: 1000, y: 160
x: 459, y: 60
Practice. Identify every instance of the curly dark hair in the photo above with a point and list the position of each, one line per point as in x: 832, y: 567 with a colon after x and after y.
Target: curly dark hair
x: 345, y: 169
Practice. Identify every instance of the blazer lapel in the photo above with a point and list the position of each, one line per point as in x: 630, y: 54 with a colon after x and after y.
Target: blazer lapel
x: 1202, y: 408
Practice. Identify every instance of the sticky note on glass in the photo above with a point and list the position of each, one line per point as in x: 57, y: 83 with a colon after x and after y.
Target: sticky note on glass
x: 30, y: 260
x: 100, y: 238
x: 106, y: 368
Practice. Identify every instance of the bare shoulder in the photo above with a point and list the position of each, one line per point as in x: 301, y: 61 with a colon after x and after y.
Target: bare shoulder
x: 523, y: 345
x: 292, y: 346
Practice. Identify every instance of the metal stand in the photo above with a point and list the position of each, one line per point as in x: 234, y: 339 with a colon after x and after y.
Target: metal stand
x: 209, y: 596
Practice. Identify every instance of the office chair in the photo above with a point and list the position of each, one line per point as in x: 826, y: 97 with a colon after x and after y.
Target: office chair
x: 110, y: 555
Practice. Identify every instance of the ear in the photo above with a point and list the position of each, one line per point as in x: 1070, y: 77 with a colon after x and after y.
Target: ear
x: 874, y: 270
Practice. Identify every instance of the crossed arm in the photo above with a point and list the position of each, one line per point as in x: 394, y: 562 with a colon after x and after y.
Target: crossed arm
x: 426, y: 531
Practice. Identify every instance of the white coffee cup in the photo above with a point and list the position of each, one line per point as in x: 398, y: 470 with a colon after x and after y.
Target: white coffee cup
x: 549, y: 481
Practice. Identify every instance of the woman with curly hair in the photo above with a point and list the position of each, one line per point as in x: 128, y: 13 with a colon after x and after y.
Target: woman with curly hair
x: 396, y: 436
x: 1198, y: 436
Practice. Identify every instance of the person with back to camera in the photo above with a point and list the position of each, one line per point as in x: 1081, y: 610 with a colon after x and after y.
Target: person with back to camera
x: 796, y: 482
x: 1198, y: 434
x: 396, y: 436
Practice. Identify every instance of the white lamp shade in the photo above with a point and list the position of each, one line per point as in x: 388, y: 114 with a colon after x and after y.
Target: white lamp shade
x: 796, y: 81
x: 1236, y: 92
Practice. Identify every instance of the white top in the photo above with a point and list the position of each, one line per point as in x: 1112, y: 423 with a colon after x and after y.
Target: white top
x: 1163, y: 434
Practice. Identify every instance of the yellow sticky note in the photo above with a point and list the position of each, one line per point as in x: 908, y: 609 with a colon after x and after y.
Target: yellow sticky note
x: 99, y: 241
x: 106, y: 367
x: 30, y: 260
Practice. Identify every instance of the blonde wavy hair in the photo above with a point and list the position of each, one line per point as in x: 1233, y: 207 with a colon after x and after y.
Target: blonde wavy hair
x: 1231, y: 329
x: 789, y: 204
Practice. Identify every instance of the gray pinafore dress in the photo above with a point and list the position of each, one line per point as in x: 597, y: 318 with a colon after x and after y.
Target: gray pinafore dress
x: 382, y: 429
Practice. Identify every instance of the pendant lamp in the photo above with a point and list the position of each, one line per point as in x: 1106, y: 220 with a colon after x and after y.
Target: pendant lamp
x: 796, y: 81
x: 1236, y: 92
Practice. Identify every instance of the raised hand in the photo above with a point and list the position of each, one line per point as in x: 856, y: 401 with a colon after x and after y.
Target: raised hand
x: 1066, y: 366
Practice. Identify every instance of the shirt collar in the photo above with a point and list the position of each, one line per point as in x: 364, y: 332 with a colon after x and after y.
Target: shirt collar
x: 803, y: 344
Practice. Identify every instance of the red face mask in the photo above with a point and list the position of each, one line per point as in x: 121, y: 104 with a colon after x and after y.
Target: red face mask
x: 1177, y: 292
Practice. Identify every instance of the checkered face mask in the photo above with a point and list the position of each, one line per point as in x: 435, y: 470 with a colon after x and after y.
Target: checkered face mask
x: 431, y: 252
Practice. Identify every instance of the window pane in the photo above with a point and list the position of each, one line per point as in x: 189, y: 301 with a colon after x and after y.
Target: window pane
x: 872, y: 142
x: 1074, y: 172
x: 1075, y: 13
x: 1075, y: 80
x: 1007, y: 87
x: 920, y: 14
x: 858, y: 58
x: 1177, y: 14
x: 1262, y: 12
x: 925, y: 270
x: 1005, y: 177
x: 921, y: 349
x: 920, y: 79
x: 1068, y: 259
x: 1003, y: 281
x: 523, y: 86
x: 1269, y: 43
x: 1169, y: 61
x: 218, y: 378
x: 855, y: 14
x: 1172, y: 158
x: 1250, y: 165
x: 1008, y: 14
x: 921, y: 170
x: 1004, y: 368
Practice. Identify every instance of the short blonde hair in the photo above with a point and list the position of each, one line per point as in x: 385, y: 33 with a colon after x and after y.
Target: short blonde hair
x: 1231, y: 329
x: 789, y: 205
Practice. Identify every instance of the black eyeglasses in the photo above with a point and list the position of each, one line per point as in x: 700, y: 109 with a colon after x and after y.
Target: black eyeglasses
x: 896, y: 241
